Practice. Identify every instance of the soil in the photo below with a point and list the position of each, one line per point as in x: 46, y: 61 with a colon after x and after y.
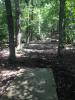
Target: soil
x: 42, y: 55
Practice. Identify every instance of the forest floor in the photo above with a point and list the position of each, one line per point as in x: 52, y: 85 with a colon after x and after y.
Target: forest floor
x: 33, y: 58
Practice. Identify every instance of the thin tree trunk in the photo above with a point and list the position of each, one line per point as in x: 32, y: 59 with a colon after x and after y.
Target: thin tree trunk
x: 17, y: 22
x: 39, y: 25
x: 61, y: 25
x: 27, y: 29
x: 31, y: 35
x: 10, y: 29
x: 18, y: 34
x: 30, y: 22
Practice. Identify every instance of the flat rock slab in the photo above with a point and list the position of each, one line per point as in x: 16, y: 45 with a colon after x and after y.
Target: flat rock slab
x: 32, y: 84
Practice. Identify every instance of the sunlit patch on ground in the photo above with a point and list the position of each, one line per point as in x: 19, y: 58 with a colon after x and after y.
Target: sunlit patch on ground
x: 4, y: 52
x: 30, y: 84
x: 46, y: 48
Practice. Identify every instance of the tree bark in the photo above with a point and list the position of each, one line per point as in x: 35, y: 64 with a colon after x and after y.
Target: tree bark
x: 61, y: 25
x: 30, y: 22
x: 10, y: 29
x: 17, y: 22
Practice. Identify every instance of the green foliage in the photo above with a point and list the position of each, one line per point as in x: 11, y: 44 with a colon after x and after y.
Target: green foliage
x: 45, y: 16
x: 42, y: 16
x: 3, y: 25
x: 70, y: 21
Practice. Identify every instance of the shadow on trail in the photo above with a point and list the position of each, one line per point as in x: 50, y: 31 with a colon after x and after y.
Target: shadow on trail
x: 39, y: 74
x: 32, y: 84
x: 37, y: 80
x: 64, y: 74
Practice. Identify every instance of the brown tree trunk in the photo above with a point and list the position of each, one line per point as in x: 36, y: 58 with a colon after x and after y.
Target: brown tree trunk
x: 17, y: 22
x: 61, y: 25
x: 10, y: 29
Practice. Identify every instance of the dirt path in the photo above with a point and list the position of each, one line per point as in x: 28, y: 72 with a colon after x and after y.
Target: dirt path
x: 29, y: 84
x: 40, y: 55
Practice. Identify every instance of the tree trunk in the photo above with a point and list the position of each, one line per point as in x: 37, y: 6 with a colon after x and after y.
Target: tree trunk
x: 31, y: 35
x: 30, y: 22
x: 18, y: 34
x: 61, y: 25
x: 10, y: 29
x: 39, y: 25
x: 17, y: 22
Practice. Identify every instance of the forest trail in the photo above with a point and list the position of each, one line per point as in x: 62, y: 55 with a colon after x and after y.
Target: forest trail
x: 39, y: 48
x: 28, y: 84
x: 62, y: 69
x: 33, y: 49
